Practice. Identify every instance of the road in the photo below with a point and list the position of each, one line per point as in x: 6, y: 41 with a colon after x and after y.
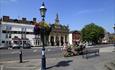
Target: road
x: 33, y: 53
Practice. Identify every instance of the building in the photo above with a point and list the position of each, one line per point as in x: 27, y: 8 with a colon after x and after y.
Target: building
x: 12, y: 30
x: 112, y: 38
x: 106, y: 38
x: 59, y: 33
x: 74, y: 37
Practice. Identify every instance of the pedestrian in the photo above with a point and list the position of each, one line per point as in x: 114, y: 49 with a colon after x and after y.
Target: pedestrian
x: 64, y: 46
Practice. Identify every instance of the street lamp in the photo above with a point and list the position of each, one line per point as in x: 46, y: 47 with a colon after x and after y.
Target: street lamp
x: 113, y: 36
x: 43, y: 11
x: 20, y: 54
x: 43, y: 29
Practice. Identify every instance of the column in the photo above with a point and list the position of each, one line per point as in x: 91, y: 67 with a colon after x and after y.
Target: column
x: 68, y: 39
x: 59, y: 40
x: 54, y: 40
x: 64, y: 39
x: 49, y: 41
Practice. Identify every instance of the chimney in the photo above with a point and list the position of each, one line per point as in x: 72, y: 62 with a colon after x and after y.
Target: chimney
x: 6, y: 18
x: 34, y: 19
x: 23, y: 19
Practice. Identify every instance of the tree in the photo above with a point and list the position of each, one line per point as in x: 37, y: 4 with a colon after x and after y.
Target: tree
x: 92, y: 33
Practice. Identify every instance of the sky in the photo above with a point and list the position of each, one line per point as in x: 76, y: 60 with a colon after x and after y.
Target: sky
x: 75, y: 13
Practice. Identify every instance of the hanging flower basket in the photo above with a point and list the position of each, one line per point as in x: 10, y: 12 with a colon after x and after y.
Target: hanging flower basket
x: 42, y: 27
x: 36, y: 29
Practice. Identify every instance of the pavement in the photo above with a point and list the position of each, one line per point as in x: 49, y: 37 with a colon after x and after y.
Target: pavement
x: 64, y: 63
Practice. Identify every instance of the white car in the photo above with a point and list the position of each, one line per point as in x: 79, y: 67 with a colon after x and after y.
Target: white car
x: 16, y: 46
x: 3, y: 46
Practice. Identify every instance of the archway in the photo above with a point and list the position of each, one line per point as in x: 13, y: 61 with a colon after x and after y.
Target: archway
x: 57, y: 41
x: 62, y: 41
x: 52, y: 41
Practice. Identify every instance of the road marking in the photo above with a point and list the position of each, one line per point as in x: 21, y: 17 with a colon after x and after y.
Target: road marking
x: 14, y: 52
x: 49, y: 49
x: 61, y: 48
x: 34, y: 50
x: 22, y: 67
x: 2, y: 66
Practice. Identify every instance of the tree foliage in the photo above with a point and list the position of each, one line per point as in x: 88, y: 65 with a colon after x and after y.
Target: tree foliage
x: 92, y: 33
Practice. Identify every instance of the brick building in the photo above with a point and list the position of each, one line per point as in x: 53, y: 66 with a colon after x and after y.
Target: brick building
x: 74, y: 37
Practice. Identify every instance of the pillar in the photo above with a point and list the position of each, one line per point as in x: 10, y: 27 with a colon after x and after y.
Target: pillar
x: 54, y: 40
x: 49, y: 42
x: 63, y: 39
x: 59, y: 40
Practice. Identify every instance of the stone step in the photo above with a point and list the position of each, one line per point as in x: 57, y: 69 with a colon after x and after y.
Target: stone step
x: 110, y: 66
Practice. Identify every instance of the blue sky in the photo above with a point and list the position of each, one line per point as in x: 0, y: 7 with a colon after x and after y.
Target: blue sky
x: 75, y: 13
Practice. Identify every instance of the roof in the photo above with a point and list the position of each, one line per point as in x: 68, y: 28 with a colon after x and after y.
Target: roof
x: 74, y: 31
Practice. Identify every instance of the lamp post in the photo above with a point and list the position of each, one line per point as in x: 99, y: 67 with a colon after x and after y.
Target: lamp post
x: 20, y: 55
x: 113, y: 36
x: 21, y: 47
x: 43, y: 60
x: 44, y: 30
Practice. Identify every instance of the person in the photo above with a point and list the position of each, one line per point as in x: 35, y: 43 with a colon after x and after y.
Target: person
x: 64, y: 46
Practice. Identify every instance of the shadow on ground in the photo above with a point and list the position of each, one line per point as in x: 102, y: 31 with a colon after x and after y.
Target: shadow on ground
x: 61, y: 64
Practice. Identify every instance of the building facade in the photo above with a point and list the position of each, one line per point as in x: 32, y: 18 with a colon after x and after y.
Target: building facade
x: 11, y: 29
x: 59, y: 33
x: 15, y: 28
x: 74, y: 37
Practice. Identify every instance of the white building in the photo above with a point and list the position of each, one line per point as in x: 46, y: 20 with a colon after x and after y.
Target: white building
x: 22, y: 29
x: 70, y: 38
x: 12, y: 30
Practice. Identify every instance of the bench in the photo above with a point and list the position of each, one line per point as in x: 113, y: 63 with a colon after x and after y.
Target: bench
x: 88, y: 51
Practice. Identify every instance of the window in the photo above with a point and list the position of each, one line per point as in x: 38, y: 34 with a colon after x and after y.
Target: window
x: 10, y: 35
x: 15, y: 42
x: 6, y: 35
x: 3, y: 31
x: 36, y: 42
x: 3, y: 41
x: 9, y: 42
x: 23, y: 34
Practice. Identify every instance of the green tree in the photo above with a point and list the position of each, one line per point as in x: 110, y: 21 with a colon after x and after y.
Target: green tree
x: 92, y: 33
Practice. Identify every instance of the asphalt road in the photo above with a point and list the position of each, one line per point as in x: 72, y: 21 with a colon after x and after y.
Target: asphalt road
x: 33, y: 53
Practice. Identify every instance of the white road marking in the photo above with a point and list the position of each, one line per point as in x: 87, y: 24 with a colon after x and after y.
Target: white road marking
x: 1, y: 67
x: 49, y: 49
x: 61, y: 48
x: 14, y: 52
x: 34, y: 50
x: 22, y: 67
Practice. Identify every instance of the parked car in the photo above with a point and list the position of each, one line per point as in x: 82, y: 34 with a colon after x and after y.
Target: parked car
x: 27, y: 46
x: 24, y: 46
x: 3, y: 46
x: 16, y: 46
